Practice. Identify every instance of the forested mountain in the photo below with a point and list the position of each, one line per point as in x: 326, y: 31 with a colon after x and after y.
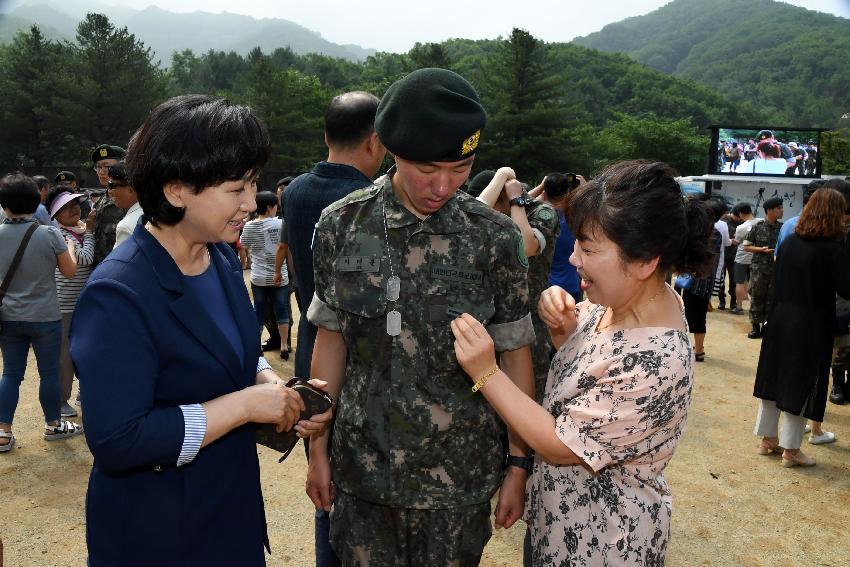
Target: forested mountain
x: 791, y: 62
x: 165, y: 32
x: 551, y: 107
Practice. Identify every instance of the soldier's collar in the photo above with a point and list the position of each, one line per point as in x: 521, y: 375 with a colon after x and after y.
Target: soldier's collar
x: 448, y: 219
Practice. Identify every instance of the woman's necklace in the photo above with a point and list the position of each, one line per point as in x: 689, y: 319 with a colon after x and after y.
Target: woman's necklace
x: 614, y: 321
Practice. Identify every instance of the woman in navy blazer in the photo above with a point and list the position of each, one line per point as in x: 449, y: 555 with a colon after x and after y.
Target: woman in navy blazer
x: 167, y: 350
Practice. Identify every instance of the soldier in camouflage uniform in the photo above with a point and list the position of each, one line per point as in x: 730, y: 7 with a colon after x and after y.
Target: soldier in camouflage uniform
x: 416, y: 455
x: 108, y: 213
x: 761, y: 241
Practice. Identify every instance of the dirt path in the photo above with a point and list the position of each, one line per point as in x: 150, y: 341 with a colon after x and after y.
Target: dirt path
x: 731, y: 506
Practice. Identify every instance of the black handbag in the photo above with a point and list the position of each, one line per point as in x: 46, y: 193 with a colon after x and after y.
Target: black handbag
x: 315, y: 402
x: 16, y: 261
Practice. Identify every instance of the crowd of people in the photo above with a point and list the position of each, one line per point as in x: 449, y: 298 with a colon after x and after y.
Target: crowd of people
x: 478, y: 336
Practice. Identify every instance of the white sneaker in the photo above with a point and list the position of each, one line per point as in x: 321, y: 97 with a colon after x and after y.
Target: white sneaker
x: 822, y: 439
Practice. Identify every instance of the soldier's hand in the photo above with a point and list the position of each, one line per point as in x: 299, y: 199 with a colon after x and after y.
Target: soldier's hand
x: 513, y: 189
x: 319, y: 487
x: 511, y: 498
x: 473, y: 346
x: 505, y: 173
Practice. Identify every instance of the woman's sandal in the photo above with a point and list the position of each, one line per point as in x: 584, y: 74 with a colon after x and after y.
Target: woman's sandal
x: 64, y: 430
x: 798, y: 459
x: 699, y: 356
x: 7, y: 446
x: 767, y: 449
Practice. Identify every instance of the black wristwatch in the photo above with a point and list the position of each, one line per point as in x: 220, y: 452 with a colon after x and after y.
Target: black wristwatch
x: 526, y: 463
x: 521, y: 201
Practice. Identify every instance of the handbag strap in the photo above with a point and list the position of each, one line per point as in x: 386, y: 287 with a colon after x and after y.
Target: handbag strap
x: 13, y: 267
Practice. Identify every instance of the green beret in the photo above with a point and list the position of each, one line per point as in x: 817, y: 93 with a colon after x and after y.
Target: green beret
x: 105, y: 151
x: 430, y: 115
x: 64, y: 177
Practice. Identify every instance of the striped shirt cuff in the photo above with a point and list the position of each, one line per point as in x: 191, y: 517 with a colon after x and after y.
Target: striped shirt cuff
x: 263, y: 364
x: 195, y: 426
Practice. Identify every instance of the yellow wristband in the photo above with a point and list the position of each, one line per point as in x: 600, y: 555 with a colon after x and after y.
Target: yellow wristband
x: 480, y: 384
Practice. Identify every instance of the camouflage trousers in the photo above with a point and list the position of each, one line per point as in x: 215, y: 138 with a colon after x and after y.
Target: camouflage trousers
x: 365, y: 534
x: 761, y: 294
x: 841, y: 359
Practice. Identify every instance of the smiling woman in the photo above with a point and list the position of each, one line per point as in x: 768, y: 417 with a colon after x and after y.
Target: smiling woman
x: 172, y: 435
x: 619, y: 387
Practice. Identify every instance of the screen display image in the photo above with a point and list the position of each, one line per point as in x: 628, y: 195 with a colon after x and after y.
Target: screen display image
x: 765, y: 151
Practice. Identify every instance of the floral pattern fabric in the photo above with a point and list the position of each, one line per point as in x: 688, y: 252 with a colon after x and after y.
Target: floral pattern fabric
x: 620, y: 400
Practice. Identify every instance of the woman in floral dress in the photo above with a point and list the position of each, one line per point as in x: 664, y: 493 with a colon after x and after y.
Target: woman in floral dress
x: 619, y: 387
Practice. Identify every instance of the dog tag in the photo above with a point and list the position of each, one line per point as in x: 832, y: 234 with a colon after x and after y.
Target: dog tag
x: 393, y: 323
x: 393, y: 288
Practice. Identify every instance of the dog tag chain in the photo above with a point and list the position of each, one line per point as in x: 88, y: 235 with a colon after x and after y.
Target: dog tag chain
x: 393, y: 284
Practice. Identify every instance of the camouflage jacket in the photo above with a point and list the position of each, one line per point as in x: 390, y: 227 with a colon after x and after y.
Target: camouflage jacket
x: 409, y: 432
x: 763, y: 234
x: 108, y: 217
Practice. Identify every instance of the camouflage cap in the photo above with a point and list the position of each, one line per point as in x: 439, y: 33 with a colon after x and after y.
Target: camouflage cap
x: 430, y: 115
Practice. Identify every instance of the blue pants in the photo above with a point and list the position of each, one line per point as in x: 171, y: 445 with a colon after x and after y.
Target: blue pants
x: 278, y: 297
x: 15, y: 340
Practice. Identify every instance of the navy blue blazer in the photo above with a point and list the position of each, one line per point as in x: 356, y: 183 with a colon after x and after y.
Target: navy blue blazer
x: 142, y: 347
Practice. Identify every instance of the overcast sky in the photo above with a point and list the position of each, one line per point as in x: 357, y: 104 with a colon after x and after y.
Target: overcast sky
x: 395, y: 25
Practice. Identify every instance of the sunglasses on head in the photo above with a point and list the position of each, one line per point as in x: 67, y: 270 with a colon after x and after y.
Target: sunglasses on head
x: 114, y: 184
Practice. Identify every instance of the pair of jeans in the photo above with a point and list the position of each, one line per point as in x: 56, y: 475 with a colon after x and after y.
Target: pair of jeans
x: 277, y: 297
x: 15, y: 340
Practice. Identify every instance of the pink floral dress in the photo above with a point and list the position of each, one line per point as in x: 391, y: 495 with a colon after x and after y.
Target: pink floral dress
x: 620, y: 400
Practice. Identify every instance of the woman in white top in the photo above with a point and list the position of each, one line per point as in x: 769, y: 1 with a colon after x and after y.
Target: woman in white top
x: 260, y: 237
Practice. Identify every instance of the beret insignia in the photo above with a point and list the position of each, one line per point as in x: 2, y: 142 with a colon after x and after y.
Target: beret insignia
x: 470, y: 143
x: 103, y: 152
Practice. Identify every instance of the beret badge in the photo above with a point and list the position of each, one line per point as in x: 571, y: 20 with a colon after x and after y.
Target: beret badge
x: 103, y: 152
x: 470, y: 143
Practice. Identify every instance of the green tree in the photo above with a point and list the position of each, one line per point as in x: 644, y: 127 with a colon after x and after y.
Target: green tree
x: 114, y: 84
x: 835, y: 152
x: 292, y: 106
x: 528, y: 119
x: 33, y: 133
x: 424, y: 55
x: 676, y: 142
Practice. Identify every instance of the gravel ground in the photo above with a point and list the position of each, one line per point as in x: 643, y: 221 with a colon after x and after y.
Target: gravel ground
x: 732, y: 507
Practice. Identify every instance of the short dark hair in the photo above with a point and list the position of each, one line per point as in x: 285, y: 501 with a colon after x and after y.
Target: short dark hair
x: 284, y: 181
x: 265, y: 201
x: 350, y: 118
x: 769, y: 148
x: 716, y: 207
x: 118, y: 172
x: 638, y: 205
x: 19, y: 194
x: 812, y: 186
x: 556, y: 185
x: 840, y: 185
x: 41, y: 181
x: 742, y: 208
x: 198, y: 140
x: 772, y: 203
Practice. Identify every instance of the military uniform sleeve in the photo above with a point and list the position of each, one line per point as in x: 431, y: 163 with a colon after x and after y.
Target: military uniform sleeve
x: 545, y: 225
x: 320, y: 313
x: 511, y: 326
